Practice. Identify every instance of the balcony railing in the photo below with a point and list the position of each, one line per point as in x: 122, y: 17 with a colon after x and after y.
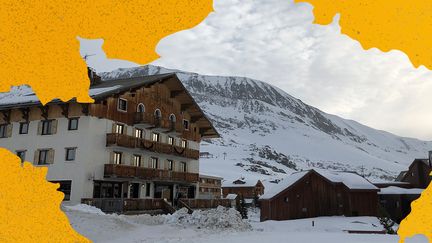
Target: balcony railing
x: 128, y: 171
x: 127, y: 141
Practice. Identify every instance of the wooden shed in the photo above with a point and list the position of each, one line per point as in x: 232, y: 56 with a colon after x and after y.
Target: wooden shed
x: 316, y: 193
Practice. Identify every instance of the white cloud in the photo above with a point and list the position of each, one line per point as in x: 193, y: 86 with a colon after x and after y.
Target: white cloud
x: 274, y: 41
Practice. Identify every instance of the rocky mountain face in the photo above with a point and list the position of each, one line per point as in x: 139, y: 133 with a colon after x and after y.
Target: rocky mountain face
x: 267, y: 134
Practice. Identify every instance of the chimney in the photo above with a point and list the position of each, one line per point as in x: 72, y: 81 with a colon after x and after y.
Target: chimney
x: 94, y: 78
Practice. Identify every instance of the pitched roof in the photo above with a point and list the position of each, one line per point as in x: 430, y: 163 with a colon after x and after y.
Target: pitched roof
x: 108, y: 88
x: 351, y: 180
x: 242, y: 182
x: 102, y: 90
x: 283, y: 184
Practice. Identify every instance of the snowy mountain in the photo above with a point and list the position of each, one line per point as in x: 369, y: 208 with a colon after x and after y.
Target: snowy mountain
x: 267, y: 134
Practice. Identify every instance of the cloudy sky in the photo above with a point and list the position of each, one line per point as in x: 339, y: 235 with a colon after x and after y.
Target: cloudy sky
x: 275, y: 41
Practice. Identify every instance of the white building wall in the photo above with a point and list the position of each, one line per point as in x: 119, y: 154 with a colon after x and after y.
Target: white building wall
x: 91, y: 154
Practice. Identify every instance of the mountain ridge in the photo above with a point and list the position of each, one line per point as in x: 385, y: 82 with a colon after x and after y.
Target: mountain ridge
x: 267, y: 133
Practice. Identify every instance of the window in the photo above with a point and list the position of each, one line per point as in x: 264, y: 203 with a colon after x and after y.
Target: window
x: 183, y: 166
x: 158, y: 113
x: 186, y: 124
x: 24, y: 127
x: 70, y: 154
x: 47, y: 127
x: 138, y: 133
x: 140, y: 108
x: 153, y: 163
x: 286, y: 199
x: 122, y: 104
x: 155, y: 137
x: 119, y: 128
x: 43, y: 157
x: 73, y: 124
x: 3, y: 130
x: 137, y: 160
x: 183, y: 143
x: 21, y: 154
x: 117, y: 158
x: 170, y: 140
x: 66, y: 188
x: 170, y: 164
x: 172, y: 118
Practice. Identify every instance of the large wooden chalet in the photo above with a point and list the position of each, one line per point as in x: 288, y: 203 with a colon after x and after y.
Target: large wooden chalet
x: 139, y: 140
x: 316, y: 193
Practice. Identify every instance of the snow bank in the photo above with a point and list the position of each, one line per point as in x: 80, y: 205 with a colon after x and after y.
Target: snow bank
x: 84, y: 208
x: 219, y: 218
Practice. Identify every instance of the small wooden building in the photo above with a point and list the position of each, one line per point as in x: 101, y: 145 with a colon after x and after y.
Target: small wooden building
x: 418, y: 174
x: 316, y: 193
x: 243, y: 188
x: 396, y: 201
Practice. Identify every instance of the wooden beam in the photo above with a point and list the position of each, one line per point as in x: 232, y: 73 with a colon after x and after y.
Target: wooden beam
x: 25, y: 113
x: 7, y: 116
x: 44, y: 111
x: 65, y: 109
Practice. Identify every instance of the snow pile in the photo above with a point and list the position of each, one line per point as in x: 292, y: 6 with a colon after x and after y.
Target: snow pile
x: 143, y: 219
x: 219, y: 218
x: 84, y: 208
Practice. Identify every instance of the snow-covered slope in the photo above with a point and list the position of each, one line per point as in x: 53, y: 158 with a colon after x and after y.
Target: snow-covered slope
x: 267, y: 134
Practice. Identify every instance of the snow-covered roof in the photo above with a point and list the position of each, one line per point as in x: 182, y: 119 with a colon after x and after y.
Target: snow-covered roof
x: 210, y: 176
x: 351, y: 180
x: 283, y: 184
x: 23, y: 95
x: 244, y: 183
x: 400, y: 190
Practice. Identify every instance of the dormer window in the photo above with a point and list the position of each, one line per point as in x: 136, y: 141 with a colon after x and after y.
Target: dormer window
x: 122, y: 105
x: 158, y: 114
x: 140, y: 108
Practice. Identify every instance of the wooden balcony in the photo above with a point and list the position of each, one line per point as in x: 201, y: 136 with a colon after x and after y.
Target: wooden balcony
x: 127, y: 141
x: 128, y: 171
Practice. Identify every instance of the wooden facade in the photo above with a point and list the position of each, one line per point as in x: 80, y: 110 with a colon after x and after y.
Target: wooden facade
x: 242, y: 190
x: 418, y: 174
x: 313, y: 195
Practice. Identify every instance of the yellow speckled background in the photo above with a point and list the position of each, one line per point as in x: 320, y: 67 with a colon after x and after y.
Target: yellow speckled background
x: 404, y: 25
x: 39, y: 47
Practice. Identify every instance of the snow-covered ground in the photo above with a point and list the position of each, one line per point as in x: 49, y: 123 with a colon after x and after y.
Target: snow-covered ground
x: 222, y: 225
